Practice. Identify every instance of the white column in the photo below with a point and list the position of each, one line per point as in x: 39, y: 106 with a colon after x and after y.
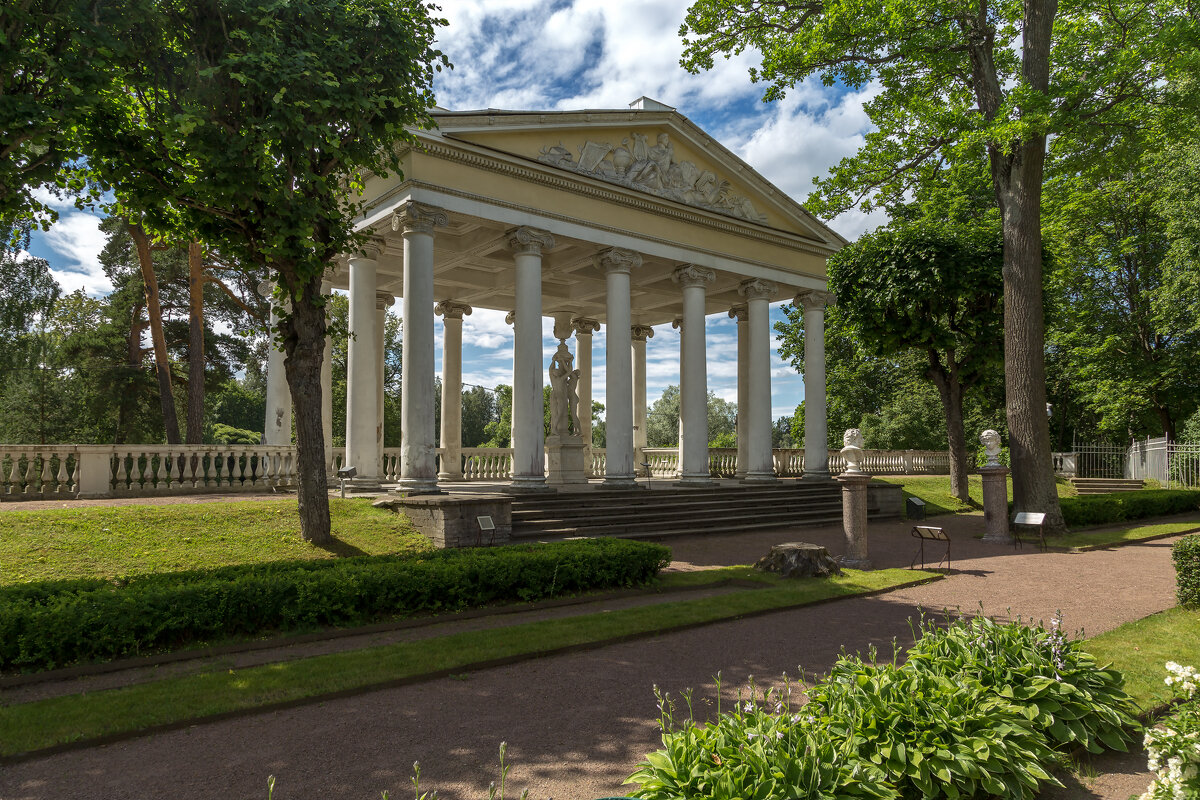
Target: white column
x: 758, y: 294
x: 693, y: 376
x: 362, y: 394
x: 677, y: 324
x: 327, y: 385
x: 618, y: 357
x: 452, y: 315
x: 816, y: 442
x: 418, y: 451
x: 277, y: 428
x: 584, y: 328
x: 741, y: 314
x: 529, y: 435
x: 639, y: 333
x: 383, y: 301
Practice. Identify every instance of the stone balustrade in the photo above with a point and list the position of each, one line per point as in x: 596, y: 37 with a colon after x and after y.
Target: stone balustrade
x: 69, y: 471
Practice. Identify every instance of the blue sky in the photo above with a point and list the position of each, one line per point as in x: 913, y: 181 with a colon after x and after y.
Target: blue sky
x: 564, y: 54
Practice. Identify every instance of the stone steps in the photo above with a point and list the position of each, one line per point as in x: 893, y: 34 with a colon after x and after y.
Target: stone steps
x: 642, y: 513
x: 1105, y: 485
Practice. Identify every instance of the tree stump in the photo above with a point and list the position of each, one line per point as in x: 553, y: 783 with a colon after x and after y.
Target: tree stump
x: 799, y: 560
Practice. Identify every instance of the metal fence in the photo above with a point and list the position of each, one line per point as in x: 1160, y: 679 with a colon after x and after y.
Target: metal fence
x: 1101, y: 460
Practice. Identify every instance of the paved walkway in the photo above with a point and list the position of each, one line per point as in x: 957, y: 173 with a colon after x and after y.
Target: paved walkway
x: 577, y: 724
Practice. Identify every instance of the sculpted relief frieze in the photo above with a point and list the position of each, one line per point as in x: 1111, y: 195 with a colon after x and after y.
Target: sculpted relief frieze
x: 637, y: 164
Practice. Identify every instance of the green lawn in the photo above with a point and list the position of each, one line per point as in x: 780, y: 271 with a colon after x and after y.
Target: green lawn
x: 32, y: 726
x: 935, y: 491
x: 1104, y: 538
x: 125, y: 540
x: 1140, y: 649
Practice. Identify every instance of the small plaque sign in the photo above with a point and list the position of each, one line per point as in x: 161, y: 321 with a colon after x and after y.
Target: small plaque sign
x: 486, y: 523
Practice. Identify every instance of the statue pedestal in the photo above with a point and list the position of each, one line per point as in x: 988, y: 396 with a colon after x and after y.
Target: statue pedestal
x: 565, y: 460
x: 854, y: 519
x: 995, y: 505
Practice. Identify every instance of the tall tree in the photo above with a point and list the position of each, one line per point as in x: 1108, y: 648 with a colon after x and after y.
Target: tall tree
x: 934, y: 290
x: 662, y: 420
x: 953, y: 77
x: 1132, y: 343
x: 248, y: 125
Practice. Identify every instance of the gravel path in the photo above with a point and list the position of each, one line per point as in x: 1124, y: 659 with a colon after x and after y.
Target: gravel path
x: 577, y: 724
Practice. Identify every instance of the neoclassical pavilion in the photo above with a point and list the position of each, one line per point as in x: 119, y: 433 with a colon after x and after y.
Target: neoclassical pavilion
x: 615, y: 219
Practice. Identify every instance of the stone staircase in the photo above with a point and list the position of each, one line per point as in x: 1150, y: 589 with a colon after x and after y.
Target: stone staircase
x: 675, y: 511
x: 1104, y: 485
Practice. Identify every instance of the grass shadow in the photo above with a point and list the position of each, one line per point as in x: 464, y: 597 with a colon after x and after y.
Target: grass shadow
x: 337, y: 547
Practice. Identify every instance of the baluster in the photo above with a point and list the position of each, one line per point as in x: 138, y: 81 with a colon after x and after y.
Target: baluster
x: 31, y: 474
x: 161, y: 476
x: 268, y: 470
x: 63, y: 477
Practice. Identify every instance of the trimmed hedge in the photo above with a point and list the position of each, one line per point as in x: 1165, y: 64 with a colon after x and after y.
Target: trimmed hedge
x: 1100, y: 509
x: 1186, y: 554
x: 51, y: 624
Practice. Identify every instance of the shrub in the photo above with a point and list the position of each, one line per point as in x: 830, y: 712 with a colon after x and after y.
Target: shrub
x: 975, y: 711
x: 1186, y: 554
x: 935, y: 736
x: 52, y: 624
x: 1099, y: 509
x: 1171, y: 747
x: 1071, y: 701
x: 752, y: 753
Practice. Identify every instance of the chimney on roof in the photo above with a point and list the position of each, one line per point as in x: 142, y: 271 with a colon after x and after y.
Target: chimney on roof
x: 644, y: 103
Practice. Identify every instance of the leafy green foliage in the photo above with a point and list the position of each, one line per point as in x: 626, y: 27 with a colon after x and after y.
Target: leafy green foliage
x: 1099, y: 509
x: 55, y: 59
x: 1072, y: 701
x: 977, y: 710
x: 49, y: 624
x: 1186, y: 555
x: 756, y: 754
x: 935, y: 736
x: 662, y: 420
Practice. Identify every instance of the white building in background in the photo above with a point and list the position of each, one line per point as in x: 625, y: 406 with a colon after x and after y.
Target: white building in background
x: 615, y: 219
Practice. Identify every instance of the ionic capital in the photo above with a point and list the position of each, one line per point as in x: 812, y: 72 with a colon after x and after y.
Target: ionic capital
x: 617, y: 259
x: 677, y: 324
x: 414, y: 217
x: 814, y: 299
x: 690, y: 275
x: 510, y: 318
x: 641, y: 333
x: 740, y: 312
x: 757, y: 289
x: 452, y: 309
x: 585, y: 326
x: 529, y: 240
x: 384, y: 300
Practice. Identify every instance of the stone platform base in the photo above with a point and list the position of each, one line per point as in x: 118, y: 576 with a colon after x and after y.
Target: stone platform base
x: 453, y: 520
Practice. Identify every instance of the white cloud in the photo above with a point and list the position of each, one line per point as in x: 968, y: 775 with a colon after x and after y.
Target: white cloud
x: 75, y: 242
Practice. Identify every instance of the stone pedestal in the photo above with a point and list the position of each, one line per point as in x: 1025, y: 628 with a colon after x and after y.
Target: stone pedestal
x: 995, y: 505
x: 453, y: 520
x: 854, y: 519
x: 565, y: 460
x: 799, y: 560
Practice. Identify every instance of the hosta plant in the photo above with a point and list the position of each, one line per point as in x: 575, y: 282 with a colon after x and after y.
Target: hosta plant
x: 1071, y: 699
x: 935, y: 736
x: 758, y: 751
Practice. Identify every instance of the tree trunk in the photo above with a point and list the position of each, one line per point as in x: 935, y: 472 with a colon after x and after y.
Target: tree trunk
x: 133, y: 364
x: 195, y: 390
x: 154, y: 313
x: 1017, y: 175
x: 304, y: 347
x: 951, y: 391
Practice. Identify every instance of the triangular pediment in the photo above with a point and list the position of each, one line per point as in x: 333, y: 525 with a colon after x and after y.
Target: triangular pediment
x: 657, y: 152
